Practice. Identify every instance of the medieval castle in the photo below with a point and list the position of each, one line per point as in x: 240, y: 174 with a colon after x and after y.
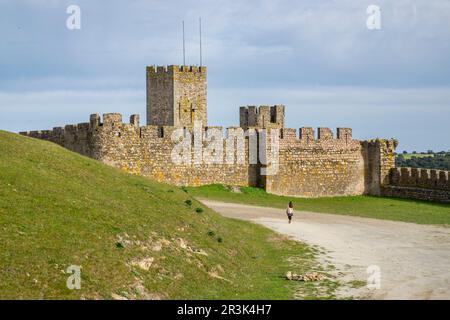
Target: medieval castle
x: 308, y: 165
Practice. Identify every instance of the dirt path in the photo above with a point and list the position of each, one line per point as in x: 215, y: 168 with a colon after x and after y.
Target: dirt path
x: 414, y: 259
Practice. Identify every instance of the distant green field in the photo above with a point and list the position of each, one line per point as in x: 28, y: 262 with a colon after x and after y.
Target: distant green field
x: 362, y: 206
x: 132, y: 237
x: 417, y: 155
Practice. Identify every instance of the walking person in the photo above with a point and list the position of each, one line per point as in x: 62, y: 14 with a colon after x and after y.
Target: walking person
x: 290, y: 211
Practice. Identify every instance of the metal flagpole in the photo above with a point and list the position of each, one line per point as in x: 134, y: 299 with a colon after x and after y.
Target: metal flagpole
x: 184, y: 48
x: 200, y: 29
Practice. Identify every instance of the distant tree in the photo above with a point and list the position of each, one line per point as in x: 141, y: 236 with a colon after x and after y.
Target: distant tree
x: 430, y: 152
x: 405, y: 152
x: 414, y: 152
x: 436, y: 161
x: 412, y: 163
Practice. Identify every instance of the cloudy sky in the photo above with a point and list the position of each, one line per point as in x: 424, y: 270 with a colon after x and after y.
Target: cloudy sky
x: 317, y: 57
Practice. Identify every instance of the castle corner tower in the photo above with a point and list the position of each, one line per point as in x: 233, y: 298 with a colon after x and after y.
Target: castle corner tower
x: 176, y: 95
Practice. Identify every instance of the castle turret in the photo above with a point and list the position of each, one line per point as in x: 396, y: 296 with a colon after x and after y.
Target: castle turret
x: 262, y: 117
x: 176, y: 95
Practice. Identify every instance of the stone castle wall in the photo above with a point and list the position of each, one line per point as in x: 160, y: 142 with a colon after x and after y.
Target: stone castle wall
x: 421, y: 184
x: 147, y: 151
x: 321, y: 166
x: 308, y: 167
x: 312, y: 167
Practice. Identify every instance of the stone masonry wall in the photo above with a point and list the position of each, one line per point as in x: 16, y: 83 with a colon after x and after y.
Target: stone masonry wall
x: 147, y: 151
x: 78, y: 138
x: 150, y: 155
x: 190, y: 89
x: 262, y: 116
x: 421, y: 184
x: 379, y: 155
x: 160, y: 96
x: 176, y: 95
x: 308, y: 167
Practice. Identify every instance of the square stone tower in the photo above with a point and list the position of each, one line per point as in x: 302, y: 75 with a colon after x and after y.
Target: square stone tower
x: 176, y: 95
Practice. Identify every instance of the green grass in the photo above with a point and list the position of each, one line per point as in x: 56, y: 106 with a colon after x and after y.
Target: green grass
x: 363, y: 206
x: 357, y: 284
x: 408, y: 156
x: 58, y: 209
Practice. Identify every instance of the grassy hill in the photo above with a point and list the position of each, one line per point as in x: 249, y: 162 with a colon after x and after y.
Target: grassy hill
x: 363, y: 206
x: 132, y: 237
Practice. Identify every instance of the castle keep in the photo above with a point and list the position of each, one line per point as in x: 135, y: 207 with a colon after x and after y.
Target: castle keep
x: 310, y: 163
x: 176, y: 96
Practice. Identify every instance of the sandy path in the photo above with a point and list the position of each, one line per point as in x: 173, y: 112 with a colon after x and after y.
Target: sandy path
x: 414, y: 259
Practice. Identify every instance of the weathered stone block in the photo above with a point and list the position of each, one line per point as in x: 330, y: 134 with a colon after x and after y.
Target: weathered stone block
x: 134, y: 120
x: 112, y: 118
x: 94, y: 120
x: 325, y: 134
x: 405, y: 175
x: 306, y: 134
x: 344, y: 133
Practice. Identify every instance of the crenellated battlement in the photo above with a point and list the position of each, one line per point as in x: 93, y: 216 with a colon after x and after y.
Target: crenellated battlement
x: 171, y: 69
x: 262, y: 116
x: 420, y: 178
x: 326, y: 134
x: 110, y: 126
x: 422, y: 184
x: 335, y: 157
x: 308, y: 133
x: 109, y: 119
x: 112, y: 123
x: 308, y: 136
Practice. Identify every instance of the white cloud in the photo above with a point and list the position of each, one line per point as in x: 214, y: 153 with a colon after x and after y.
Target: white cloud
x: 317, y: 57
x: 324, y: 42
